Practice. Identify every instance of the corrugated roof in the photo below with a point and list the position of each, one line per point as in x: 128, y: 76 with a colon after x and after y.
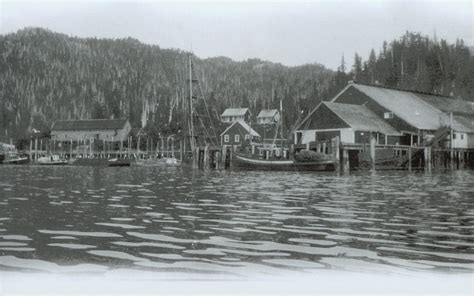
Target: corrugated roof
x: 467, y: 121
x: 361, y: 118
x: 448, y: 104
x: 245, y: 126
x: 235, y: 112
x: 408, y: 106
x: 267, y: 113
x: 91, y: 124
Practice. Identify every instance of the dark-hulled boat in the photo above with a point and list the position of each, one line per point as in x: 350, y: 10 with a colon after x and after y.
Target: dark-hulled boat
x: 118, y: 162
x: 243, y: 162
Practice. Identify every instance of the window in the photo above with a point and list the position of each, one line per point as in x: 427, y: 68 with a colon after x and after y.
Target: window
x: 388, y: 115
x: 237, y: 138
x: 226, y: 138
x: 247, y: 137
x: 454, y: 136
x: 462, y: 136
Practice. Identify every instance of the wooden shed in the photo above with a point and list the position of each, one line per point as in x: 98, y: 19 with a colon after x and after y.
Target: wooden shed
x: 96, y: 129
x: 352, y: 123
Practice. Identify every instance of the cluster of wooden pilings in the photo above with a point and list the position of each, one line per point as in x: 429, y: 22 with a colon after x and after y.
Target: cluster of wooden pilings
x: 401, y: 157
x: 212, y: 157
x: 88, y: 148
x: 347, y: 156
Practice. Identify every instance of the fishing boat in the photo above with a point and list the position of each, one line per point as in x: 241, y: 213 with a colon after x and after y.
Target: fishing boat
x: 51, y: 160
x: 278, y: 159
x: 245, y: 162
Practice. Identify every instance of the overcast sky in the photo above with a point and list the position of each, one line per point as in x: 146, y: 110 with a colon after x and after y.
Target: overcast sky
x: 291, y: 33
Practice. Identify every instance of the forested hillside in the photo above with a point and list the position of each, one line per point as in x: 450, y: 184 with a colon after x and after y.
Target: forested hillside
x: 416, y: 62
x: 46, y: 76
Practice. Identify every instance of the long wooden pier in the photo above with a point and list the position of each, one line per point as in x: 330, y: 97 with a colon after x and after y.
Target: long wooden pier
x: 349, y: 156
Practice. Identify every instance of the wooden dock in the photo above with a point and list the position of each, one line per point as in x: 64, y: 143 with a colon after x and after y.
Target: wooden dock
x: 350, y: 156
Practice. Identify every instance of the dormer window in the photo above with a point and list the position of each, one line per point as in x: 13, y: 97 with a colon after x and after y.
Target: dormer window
x: 388, y: 115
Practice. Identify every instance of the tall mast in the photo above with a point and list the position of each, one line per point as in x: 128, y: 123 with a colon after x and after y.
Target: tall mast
x: 191, y: 109
x: 281, y: 122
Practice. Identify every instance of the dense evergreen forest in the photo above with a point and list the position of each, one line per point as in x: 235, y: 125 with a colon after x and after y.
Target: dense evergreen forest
x: 46, y: 76
x: 416, y: 62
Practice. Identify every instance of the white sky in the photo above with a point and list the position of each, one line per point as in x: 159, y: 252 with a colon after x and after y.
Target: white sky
x: 291, y: 33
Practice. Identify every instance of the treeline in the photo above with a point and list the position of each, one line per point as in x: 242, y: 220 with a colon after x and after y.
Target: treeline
x: 47, y: 76
x: 416, y: 62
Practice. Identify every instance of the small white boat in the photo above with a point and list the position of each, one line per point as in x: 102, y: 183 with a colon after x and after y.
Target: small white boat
x: 150, y: 162
x: 51, y: 160
x: 15, y: 158
x: 172, y: 161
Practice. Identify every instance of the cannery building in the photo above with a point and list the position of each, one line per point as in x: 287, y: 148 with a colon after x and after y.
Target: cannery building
x: 96, y: 129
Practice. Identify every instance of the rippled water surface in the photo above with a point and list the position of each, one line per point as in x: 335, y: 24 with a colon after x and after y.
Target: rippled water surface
x: 233, y: 224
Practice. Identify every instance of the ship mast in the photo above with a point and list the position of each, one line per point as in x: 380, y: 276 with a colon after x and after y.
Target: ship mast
x: 199, y: 110
x: 281, y: 122
x: 191, y: 109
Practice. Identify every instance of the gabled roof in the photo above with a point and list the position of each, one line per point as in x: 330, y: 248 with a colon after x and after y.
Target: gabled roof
x: 235, y: 112
x: 467, y: 121
x: 360, y: 118
x: 407, y: 105
x: 91, y: 124
x: 448, y: 104
x: 267, y: 113
x: 245, y: 126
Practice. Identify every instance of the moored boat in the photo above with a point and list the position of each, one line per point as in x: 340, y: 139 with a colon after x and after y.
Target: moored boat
x: 15, y: 158
x: 110, y: 162
x: 172, y: 161
x: 244, y: 162
x: 150, y: 162
x: 118, y: 162
x: 51, y: 160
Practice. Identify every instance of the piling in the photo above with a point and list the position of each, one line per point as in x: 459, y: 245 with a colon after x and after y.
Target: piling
x: 427, y: 155
x: 372, y: 152
x: 345, y: 161
x: 196, y: 158
x: 31, y: 148
x: 206, y: 157
x: 409, y: 158
x: 223, y: 158
x: 336, y: 152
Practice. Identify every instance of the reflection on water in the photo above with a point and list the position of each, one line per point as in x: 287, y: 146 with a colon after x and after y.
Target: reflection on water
x: 175, y: 220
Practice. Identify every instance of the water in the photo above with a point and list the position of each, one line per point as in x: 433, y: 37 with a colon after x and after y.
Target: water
x: 233, y: 224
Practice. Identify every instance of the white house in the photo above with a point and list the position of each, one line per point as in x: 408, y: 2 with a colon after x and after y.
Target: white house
x: 235, y: 114
x: 268, y: 116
